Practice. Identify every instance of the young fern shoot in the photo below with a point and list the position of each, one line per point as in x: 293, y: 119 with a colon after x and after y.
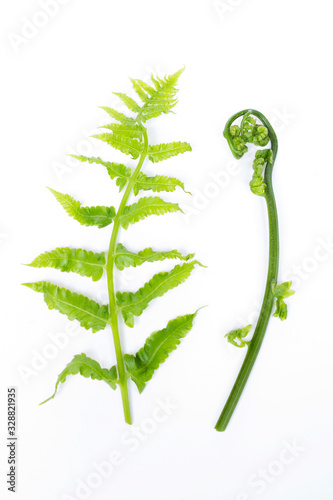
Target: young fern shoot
x: 261, y: 185
x: 129, y: 135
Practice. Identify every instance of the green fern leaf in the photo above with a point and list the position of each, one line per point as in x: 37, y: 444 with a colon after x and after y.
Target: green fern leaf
x: 157, y: 110
x: 156, y: 350
x: 156, y: 184
x: 125, y: 258
x: 132, y: 370
x: 115, y: 170
x: 128, y: 101
x: 161, y: 152
x: 88, y: 368
x: 140, y: 90
x: 158, y: 100
x: 133, y: 131
x: 126, y: 145
x: 143, y: 89
x: 133, y: 304
x: 145, y: 207
x: 75, y: 260
x: 120, y: 117
x: 87, y: 216
x: 129, y: 135
x: 89, y: 313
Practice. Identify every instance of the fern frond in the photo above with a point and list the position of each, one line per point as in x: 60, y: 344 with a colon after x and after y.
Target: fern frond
x: 87, y: 312
x: 129, y: 135
x: 158, y: 100
x: 160, y: 152
x: 133, y: 304
x: 88, y: 368
x: 152, y: 205
x: 120, y: 117
x: 156, y: 184
x: 115, y: 170
x: 87, y: 216
x: 75, y: 260
x: 124, y: 144
x: 156, y: 349
x: 125, y: 258
x: 128, y: 101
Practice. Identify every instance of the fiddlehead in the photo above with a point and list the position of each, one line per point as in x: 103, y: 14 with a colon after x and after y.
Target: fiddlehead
x: 238, y: 137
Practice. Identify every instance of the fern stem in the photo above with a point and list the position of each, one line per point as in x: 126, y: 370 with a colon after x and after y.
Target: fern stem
x: 273, y: 265
x: 111, y: 288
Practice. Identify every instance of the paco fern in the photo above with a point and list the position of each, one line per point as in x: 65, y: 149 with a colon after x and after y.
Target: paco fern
x: 261, y: 184
x: 129, y: 136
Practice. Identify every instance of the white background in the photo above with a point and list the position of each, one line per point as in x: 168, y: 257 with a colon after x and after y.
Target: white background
x: 273, y: 55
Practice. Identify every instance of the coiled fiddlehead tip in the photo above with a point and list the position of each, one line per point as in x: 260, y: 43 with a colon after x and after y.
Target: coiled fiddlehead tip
x: 255, y: 133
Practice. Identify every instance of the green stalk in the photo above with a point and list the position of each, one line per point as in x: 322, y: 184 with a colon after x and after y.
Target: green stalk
x: 273, y: 264
x: 122, y: 378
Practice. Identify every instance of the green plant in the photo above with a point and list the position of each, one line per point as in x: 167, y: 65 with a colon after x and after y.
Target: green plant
x: 129, y: 136
x: 261, y: 184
